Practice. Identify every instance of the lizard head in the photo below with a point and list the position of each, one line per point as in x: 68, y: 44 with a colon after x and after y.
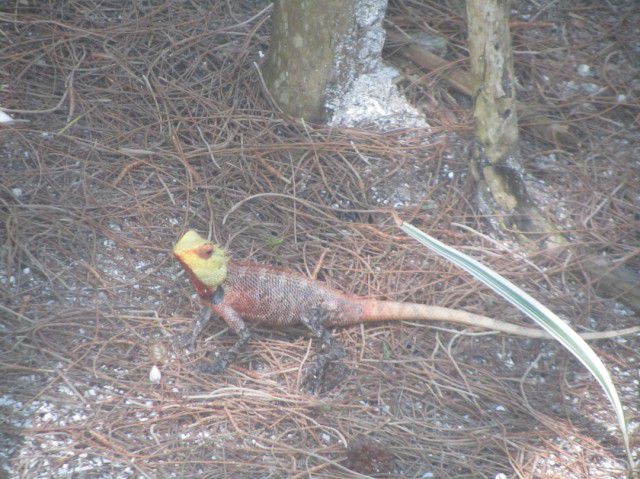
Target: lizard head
x: 205, y: 262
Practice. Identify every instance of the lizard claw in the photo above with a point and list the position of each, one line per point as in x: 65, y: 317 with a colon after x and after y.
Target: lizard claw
x: 185, y: 341
x: 313, y: 380
x: 316, y: 380
x: 214, y: 367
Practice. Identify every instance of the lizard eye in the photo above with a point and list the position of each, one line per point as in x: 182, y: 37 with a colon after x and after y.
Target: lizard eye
x: 205, y: 251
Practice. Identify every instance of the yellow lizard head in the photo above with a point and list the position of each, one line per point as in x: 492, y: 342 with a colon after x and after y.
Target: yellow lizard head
x: 205, y: 262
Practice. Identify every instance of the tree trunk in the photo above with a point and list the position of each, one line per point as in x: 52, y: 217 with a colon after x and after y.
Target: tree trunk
x: 318, y: 48
x: 496, y: 157
x: 495, y: 162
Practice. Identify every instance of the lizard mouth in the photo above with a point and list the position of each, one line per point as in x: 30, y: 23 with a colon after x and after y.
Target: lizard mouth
x: 201, y: 288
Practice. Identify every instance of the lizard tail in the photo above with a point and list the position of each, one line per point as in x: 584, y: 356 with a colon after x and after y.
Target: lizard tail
x: 373, y: 310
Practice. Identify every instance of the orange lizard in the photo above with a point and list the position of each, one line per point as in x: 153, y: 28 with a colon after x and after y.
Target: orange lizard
x: 239, y: 291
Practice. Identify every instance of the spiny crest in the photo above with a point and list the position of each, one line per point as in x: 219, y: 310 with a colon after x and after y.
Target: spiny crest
x: 205, y: 262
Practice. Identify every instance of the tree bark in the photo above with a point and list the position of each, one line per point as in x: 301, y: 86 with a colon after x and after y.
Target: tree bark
x: 495, y: 160
x: 318, y: 48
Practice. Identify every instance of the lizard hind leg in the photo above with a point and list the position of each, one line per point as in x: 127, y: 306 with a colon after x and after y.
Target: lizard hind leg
x: 314, y: 320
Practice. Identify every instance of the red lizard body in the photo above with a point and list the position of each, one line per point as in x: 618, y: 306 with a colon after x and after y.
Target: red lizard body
x: 278, y: 297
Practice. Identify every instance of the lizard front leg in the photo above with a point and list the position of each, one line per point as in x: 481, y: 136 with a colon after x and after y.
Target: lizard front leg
x: 189, y: 339
x: 237, y: 325
x: 314, y: 320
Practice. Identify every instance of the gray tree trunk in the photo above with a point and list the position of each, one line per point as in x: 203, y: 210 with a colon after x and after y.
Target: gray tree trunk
x: 318, y: 47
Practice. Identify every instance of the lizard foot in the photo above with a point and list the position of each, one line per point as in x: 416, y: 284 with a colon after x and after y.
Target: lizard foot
x: 214, y: 367
x: 324, y: 375
x: 185, y: 341
x: 315, y: 320
x: 223, y: 362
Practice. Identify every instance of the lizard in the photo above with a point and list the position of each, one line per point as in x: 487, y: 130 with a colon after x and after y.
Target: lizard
x: 240, y: 291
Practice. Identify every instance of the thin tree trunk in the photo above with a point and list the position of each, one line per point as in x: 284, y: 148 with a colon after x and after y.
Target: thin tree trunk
x: 496, y: 157
x: 495, y: 162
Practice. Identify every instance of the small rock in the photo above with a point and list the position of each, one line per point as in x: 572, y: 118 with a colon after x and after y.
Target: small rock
x: 155, y: 375
x: 584, y: 70
x: 5, y: 118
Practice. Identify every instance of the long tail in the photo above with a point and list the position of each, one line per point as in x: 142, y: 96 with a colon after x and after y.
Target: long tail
x: 373, y: 310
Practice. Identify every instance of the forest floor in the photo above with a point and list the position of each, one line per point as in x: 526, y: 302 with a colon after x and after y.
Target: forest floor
x: 135, y: 121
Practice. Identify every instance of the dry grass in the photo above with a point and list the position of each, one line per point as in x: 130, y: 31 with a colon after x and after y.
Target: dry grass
x: 142, y: 121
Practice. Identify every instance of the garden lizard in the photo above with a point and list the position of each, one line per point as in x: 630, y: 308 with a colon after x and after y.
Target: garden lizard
x: 239, y: 291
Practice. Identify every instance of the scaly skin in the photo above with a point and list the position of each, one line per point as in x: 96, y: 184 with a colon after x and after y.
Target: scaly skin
x: 239, y: 291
